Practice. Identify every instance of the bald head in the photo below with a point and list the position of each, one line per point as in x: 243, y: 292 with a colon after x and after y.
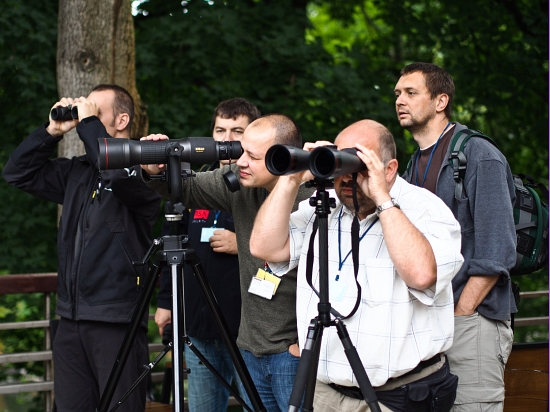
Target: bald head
x: 371, y: 134
x: 286, y: 131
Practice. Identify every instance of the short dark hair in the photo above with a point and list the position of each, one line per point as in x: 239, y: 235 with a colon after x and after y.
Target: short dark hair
x: 286, y: 130
x: 438, y: 81
x: 233, y: 108
x: 123, y: 103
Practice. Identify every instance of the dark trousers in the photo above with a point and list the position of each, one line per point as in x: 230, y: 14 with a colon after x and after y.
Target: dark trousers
x: 84, y: 353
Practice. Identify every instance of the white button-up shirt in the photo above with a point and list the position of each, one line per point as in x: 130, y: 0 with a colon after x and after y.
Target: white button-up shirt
x: 395, y: 327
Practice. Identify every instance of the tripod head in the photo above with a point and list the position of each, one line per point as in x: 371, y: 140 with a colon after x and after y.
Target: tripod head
x: 321, y: 202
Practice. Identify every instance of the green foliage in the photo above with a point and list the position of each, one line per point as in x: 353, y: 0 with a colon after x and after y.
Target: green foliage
x: 532, y: 307
x: 27, y: 91
x: 255, y: 50
x: 496, y: 51
x: 18, y: 308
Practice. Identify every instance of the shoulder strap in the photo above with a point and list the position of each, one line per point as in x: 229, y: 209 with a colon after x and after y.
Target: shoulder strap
x: 457, y: 158
x: 408, y: 170
x: 531, y: 183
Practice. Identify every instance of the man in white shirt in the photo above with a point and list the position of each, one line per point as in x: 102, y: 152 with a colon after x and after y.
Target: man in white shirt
x: 409, y: 250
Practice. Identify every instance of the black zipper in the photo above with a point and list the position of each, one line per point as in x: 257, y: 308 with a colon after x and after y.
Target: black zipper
x: 83, y: 223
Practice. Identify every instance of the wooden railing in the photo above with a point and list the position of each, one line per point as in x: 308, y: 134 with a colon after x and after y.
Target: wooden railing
x: 46, y: 284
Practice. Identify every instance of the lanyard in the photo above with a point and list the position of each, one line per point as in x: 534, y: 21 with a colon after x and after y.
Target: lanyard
x: 217, y: 214
x: 340, y: 261
x: 310, y: 258
x: 429, y: 160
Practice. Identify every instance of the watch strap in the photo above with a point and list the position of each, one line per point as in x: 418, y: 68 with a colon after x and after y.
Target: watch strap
x: 387, y: 205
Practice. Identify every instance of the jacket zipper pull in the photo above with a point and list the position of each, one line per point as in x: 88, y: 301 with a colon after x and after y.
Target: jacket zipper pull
x: 97, y: 193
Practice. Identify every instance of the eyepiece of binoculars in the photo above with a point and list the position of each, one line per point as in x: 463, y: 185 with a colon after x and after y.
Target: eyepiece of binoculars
x: 64, y: 113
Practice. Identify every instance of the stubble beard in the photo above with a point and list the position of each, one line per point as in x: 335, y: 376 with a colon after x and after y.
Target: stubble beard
x: 415, y: 126
x: 365, y: 204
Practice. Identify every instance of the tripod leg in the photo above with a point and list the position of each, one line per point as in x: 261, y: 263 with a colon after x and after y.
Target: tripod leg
x: 216, y: 373
x: 178, y: 327
x: 244, y: 374
x: 357, y: 367
x: 306, y: 368
x: 312, y: 377
x: 124, y: 351
x: 148, y: 368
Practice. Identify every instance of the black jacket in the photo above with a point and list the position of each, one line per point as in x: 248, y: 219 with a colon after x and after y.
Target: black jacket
x: 99, y: 237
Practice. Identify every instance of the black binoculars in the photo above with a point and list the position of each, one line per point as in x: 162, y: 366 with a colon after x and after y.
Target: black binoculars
x: 324, y: 162
x: 64, y: 113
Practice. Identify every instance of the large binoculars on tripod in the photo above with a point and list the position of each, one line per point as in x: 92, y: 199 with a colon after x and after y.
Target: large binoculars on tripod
x: 117, y: 153
x: 324, y: 162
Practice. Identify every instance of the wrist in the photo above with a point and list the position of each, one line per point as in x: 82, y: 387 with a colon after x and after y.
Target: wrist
x: 288, y: 184
x: 382, y: 199
x: 53, y: 131
x: 464, y: 308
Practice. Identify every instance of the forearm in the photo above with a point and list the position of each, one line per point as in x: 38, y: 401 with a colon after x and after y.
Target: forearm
x: 476, y: 289
x: 409, y: 249
x: 270, y: 235
x: 30, y: 169
x: 89, y: 130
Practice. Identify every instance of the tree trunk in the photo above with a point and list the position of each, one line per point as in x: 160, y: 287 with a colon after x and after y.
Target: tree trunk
x: 95, y: 44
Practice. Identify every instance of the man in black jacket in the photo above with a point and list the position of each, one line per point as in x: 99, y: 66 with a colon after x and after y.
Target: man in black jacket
x: 106, y: 224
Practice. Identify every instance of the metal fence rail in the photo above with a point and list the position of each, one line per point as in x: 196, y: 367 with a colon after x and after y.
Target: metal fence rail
x: 46, y: 283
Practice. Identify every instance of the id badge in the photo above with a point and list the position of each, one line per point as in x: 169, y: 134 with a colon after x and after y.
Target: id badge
x: 264, y: 284
x: 260, y: 287
x: 208, y: 232
x: 336, y: 290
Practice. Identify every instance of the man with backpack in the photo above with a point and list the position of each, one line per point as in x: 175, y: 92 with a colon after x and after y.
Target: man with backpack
x: 482, y: 201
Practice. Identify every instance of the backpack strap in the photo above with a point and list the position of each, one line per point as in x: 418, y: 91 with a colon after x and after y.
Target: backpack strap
x: 531, y: 183
x: 457, y: 158
x: 408, y: 170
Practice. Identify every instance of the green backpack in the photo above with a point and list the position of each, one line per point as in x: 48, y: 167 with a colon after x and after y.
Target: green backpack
x: 530, y: 213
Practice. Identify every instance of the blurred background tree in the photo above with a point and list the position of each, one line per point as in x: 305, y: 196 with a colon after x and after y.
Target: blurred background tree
x: 326, y: 63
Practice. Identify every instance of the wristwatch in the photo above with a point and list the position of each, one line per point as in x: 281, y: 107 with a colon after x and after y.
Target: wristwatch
x: 386, y: 205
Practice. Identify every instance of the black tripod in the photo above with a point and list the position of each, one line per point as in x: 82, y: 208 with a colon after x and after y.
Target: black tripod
x: 175, y: 255
x: 304, y: 383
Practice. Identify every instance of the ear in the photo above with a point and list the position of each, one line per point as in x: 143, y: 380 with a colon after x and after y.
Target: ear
x: 391, y: 170
x: 122, y: 121
x: 441, y: 102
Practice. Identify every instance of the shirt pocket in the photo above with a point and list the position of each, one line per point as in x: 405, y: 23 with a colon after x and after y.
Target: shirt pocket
x: 379, y: 281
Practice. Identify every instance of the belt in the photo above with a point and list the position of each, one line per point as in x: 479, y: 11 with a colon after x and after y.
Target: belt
x: 422, y: 365
x: 355, y: 392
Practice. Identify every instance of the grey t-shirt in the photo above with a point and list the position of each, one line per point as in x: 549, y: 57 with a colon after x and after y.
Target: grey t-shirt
x: 267, y: 326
